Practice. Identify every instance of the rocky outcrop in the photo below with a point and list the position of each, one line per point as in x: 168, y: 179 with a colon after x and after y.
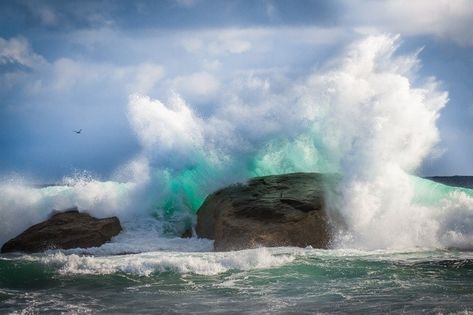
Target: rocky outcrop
x: 279, y: 210
x: 67, y: 229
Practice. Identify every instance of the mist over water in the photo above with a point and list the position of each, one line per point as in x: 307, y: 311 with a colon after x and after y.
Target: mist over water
x: 365, y: 115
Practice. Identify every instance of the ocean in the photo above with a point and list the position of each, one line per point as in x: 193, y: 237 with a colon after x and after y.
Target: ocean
x: 256, y: 281
x: 147, y: 270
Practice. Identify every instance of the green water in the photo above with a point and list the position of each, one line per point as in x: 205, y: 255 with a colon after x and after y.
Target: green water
x: 430, y: 193
x: 187, y: 188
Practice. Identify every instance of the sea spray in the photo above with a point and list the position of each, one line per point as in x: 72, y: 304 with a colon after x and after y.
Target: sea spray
x: 23, y: 205
x: 380, y: 127
x: 145, y: 264
x: 364, y: 115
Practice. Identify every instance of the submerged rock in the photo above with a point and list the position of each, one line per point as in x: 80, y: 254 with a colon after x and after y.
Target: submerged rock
x: 66, y: 229
x: 279, y: 210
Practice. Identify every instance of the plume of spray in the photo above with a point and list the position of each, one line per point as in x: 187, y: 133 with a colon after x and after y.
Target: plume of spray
x: 379, y: 127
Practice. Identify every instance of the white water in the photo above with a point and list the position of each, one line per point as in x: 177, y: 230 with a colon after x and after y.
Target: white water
x: 365, y: 114
x: 144, y: 264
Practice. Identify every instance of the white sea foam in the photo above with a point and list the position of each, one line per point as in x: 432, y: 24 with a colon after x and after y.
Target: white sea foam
x: 147, y: 235
x: 144, y: 264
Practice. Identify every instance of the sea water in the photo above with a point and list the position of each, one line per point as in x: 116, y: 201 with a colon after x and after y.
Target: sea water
x: 146, y: 269
x: 261, y: 281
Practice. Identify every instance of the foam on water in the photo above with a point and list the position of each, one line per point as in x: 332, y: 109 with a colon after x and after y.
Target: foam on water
x: 213, y: 263
x: 148, y: 235
x: 281, y: 280
x: 145, y: 264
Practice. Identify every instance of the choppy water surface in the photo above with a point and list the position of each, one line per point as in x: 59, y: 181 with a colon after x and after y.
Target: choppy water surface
x: 251, y: 281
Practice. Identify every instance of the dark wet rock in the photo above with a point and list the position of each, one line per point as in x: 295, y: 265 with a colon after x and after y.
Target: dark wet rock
x: 66, y: 229
x: 279, y: 210
x: 187, y: 233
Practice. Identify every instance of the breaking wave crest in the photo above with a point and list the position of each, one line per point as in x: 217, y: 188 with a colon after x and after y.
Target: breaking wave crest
x: 145, y: 264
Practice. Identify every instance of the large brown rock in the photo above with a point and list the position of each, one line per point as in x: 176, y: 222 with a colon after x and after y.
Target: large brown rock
x: 279, y: 210
x: 68, y: 229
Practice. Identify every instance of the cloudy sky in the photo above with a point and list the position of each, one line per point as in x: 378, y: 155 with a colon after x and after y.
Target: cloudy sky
x: 68, y: 65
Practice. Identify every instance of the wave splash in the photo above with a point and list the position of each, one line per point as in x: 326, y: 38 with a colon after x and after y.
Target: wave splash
x: 146, y: 264
x: 365, y: 115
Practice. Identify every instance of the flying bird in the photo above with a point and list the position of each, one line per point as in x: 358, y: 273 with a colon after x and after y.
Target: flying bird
x: 78, y: 131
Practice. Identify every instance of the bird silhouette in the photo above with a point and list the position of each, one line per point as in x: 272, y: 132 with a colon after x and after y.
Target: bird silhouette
x: 78, y: 131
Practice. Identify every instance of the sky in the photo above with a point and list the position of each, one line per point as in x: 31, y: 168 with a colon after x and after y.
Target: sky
x: 68, y: 65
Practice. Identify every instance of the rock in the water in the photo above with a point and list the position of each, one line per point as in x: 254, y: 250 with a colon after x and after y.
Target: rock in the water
x: 67, y: 229
x: 279, y: 210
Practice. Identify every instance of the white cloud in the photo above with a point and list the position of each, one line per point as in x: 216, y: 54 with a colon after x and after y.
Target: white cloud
x: 192, y: 44
x: 229, y: 44
x: 257, y: 41
x: 17, y: 50
x: 65, y: 75
x: 146, y: 76
x: 212, y: 65
x: 447, y: 19
x: 196, y: 85
x: 227, y: 41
